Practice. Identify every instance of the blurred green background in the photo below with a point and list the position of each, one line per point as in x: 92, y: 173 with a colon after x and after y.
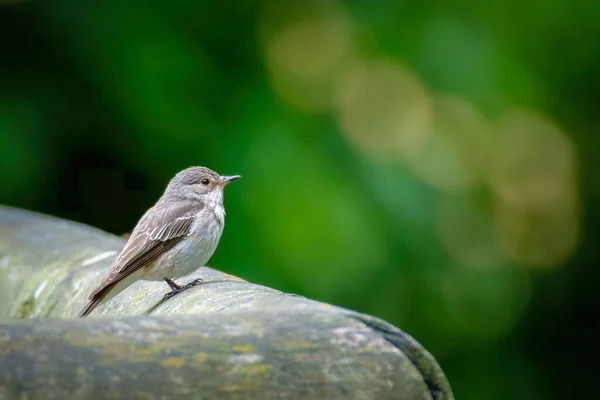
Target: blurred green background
x: 432, y: 163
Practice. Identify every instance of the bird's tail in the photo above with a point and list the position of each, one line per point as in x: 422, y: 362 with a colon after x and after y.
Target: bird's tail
x: 103, y: 293
x: 92, y: 303
x: 96, y: 298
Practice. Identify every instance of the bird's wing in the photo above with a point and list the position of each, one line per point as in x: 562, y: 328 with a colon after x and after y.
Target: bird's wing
x: 158, y: 230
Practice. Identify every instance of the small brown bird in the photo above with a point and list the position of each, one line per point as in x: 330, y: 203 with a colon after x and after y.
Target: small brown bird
x: 176, y: 236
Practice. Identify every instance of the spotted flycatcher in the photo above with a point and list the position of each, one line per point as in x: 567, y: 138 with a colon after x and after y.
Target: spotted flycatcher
x: 176, y: 236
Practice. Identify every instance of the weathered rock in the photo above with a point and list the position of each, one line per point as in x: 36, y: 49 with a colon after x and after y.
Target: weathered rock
x: 225, y: 339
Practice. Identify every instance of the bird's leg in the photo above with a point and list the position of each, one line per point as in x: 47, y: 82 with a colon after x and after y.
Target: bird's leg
x: 172, y: 284
x: 175, y: 288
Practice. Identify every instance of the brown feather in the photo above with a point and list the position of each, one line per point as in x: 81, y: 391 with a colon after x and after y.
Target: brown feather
x: 93, y: 302
x: 161, y: 228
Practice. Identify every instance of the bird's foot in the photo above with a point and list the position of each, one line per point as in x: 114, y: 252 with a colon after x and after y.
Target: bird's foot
x: 175, y: 288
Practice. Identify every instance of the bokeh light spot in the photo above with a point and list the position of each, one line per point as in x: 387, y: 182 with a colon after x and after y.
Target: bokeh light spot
x: 457, y: 149
x: 465, y: 230
x: 534, y: 179
x: 383, y: 109
x: 541, y: 236
x: 534, y: 163
x: 305, y: 49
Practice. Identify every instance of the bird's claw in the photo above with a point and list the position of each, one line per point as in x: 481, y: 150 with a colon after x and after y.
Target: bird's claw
x: 180, y: 289
x: 193, y: 283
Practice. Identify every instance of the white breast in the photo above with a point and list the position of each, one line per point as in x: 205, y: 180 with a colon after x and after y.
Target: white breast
x: 192, y: 252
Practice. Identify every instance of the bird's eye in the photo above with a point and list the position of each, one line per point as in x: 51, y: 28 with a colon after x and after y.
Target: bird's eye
x: 205, y: 181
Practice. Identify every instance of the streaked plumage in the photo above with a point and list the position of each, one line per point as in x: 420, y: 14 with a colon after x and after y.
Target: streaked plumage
x: 173, y: 238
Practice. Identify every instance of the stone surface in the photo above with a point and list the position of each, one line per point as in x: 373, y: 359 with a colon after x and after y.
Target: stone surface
x: 225, y: 339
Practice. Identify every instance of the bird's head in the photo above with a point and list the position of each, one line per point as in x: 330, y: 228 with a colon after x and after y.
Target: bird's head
x: 199, y: 183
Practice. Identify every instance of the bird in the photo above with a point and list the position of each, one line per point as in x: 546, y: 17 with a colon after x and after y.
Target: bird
x: 176, y: 236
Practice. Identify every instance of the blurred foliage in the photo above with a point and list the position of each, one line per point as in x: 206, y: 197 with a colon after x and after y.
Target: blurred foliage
x: 431, y: 163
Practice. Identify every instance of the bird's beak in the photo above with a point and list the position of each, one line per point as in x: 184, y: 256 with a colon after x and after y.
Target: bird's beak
x: 228, y: 179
